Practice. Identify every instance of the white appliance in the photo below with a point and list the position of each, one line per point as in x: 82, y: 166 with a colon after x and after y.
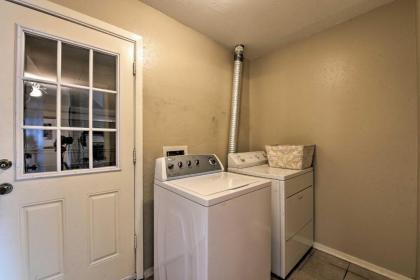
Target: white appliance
x: 210, y: 224
x: 292, y: 208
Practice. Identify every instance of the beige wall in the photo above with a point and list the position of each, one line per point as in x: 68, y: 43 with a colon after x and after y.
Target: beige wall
x: 187, y: 83
x: 351, y: 90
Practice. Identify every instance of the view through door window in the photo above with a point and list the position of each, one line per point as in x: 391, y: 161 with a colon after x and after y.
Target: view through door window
x: 70, y: 98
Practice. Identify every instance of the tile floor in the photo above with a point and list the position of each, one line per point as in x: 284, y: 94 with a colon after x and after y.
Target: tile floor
x: 318, y: 265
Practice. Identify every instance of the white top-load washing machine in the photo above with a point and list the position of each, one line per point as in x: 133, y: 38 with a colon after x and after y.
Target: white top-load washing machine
x: 210, y: 224
x: 292, y: 207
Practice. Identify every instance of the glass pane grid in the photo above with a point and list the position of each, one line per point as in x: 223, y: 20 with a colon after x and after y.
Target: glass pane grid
x: 74, y: 86
x: 105, y: 71
x: 74, y: 107
x: 82, y: 127
x: 40, y: 58
x: 73, y: 128
x: 105, y: 90
x: 40, y: 80
x: 39, y: 104
x: 75, y: 65
x: 59, y: 143
x: 74, y: 149
x: 39, y: 151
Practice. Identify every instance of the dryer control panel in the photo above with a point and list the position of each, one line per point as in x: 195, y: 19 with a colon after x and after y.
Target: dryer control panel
x: 175, y: 167
x: 248, y: 159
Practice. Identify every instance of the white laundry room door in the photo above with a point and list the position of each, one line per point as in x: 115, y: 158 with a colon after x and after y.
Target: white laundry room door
x: 66, y: 145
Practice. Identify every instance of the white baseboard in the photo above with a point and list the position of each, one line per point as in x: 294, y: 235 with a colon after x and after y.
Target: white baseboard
x: 132, y: 277
x: 148, y: 272
x: 362, y: 263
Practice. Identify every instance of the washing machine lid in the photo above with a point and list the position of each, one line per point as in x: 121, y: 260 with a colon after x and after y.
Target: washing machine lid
x: 216, y: 183
x: 212, y: 189
x: 268, y: 172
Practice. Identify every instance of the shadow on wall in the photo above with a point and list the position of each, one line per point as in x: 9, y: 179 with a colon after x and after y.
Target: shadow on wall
x: 148, y: 220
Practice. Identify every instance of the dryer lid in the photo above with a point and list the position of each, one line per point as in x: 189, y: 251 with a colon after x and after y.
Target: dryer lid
x: 265, y: 171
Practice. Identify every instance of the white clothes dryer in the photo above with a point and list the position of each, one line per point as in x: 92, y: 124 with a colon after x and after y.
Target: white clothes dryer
x: 292, y: 208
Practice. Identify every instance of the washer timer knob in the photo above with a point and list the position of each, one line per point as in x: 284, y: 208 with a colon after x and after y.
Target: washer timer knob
x: 180, y: 164
x: 189, y: 163
x: 197, y: 162
x: 170, y: 166
x: 212, y: 161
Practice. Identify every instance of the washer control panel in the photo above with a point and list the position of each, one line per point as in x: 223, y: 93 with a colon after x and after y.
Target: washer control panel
x: 174, y: 167
x: 248, y: 159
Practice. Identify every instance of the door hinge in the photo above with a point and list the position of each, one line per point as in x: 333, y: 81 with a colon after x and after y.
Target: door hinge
x: 134, y: 156
x: 135, y: 241
x: 134, y: 68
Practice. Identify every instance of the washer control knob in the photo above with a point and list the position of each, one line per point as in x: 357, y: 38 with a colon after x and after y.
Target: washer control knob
x: 212, y: 161
x: 189, y: 163
x: 180, y: 164
x: 170, y: 166
x: 197, y: 162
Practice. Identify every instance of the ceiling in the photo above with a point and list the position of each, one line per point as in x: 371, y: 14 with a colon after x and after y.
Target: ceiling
x: 262, y: 25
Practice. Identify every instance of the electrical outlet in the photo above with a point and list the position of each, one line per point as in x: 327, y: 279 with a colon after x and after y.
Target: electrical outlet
x: 175, y: 150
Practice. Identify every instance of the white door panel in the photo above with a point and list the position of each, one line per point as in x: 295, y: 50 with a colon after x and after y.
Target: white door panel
x: 103, y: 226
x: 74, y: 226
x: 42, y: 238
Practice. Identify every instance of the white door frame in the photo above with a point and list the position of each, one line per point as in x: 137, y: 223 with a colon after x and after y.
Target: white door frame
x: 92, y: 23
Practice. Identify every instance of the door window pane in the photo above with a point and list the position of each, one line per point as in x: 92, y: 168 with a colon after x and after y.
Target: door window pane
x: 39, y: 150
x: 104, y: 71
x: 104, y: 149
x: 40, y: 104
x: 76, y: 99
x: 74, y: 65
x: 74, y: 107
x: 40, y: 58
x: 104, y: 110
x: 74, y: 150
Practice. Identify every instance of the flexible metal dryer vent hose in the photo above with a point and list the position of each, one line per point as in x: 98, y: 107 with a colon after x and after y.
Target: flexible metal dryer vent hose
x: 236, y: 98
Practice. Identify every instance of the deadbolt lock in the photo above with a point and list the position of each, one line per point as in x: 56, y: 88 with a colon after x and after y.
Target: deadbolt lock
x: 6, y: 188
x: 5, y: 164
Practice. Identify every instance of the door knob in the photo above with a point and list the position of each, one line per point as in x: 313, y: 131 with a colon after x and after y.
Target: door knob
x: 6, y: 188
x: 5, y: 164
